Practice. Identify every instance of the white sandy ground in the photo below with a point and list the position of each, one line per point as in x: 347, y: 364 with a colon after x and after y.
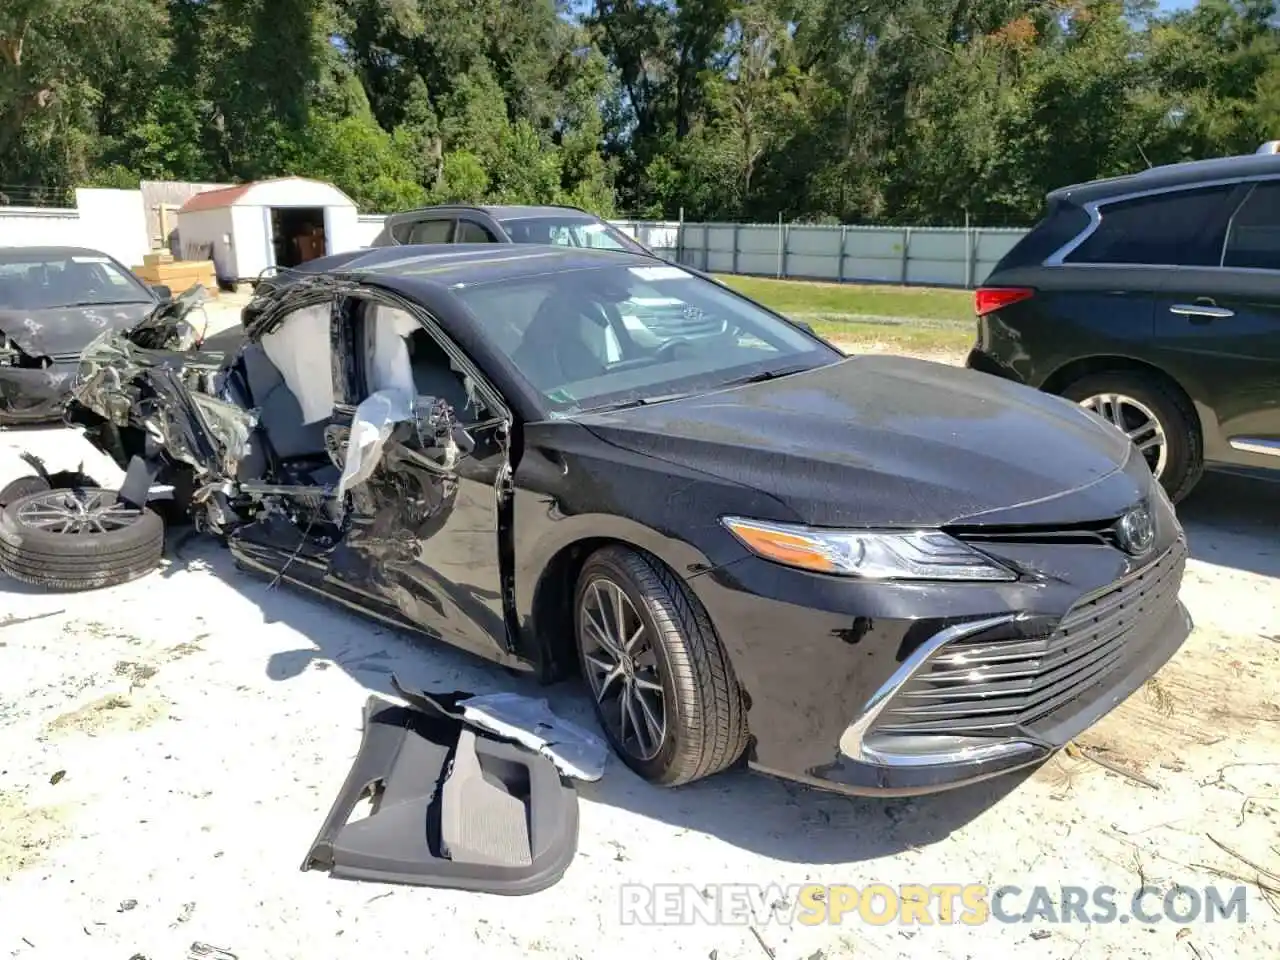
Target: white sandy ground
x: 169, y: 748
x: 199, y: 724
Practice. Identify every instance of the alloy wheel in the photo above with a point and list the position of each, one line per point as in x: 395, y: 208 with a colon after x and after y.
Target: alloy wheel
x: 1136, y: 421
x: 77, y: 513
x: 622, y: 669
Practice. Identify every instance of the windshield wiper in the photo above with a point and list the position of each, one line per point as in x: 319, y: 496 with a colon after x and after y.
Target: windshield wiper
x: 639, y: 401
x: 764, y: 375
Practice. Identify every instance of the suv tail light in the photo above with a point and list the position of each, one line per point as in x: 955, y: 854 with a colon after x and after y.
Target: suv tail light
x: 988, y: 299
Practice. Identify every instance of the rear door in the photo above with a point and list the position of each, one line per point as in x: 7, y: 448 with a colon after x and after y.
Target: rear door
x: 1106, y: 295
x: 1218, y: 328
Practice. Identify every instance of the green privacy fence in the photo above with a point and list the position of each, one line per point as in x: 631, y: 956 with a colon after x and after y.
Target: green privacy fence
x: 930, y: 256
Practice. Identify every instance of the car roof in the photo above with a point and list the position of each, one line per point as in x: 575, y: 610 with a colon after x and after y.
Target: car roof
x: 470, y: 264
x: 1171, y: 175
x: 501, y: 212
x: 31, y: 254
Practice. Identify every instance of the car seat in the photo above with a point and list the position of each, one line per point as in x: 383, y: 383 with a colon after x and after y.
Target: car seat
x: 279, y: 412
x: 554, y: 351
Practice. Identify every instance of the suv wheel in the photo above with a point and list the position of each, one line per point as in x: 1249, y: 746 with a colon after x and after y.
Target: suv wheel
x: 1152, y: 414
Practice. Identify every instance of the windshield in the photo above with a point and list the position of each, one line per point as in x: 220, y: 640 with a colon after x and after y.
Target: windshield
x: 30, y: 282
x: 623, y: 334
x: 570, y: 232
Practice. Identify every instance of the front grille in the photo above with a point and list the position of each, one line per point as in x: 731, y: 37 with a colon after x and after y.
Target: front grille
x: 985, y: 686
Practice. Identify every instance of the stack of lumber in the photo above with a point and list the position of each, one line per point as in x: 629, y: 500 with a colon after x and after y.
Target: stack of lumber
x: 177, y: 275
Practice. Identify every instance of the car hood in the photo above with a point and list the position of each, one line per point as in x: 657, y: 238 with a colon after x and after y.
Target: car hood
x: 63, y: 332
x: 889, y: 440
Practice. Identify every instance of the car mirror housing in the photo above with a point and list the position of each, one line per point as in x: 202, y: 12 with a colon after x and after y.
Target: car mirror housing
x: 439, y: 429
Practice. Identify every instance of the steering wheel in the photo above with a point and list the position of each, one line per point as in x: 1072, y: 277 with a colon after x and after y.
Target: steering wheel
x: 667, y: 350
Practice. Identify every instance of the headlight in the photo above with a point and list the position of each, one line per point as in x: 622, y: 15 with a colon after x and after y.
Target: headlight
x: 868, y: 554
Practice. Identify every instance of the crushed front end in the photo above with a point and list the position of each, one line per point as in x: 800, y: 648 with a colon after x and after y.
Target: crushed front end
x: 32, y: 389
x: 149, y: 393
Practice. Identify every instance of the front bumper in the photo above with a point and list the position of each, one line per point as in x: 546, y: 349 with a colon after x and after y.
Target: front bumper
x: 927, y: 686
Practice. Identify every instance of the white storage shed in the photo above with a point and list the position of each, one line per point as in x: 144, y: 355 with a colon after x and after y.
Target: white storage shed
x: 268, y: 223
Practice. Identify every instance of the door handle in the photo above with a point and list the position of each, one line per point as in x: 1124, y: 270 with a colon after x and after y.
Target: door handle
x: 1201, y: 310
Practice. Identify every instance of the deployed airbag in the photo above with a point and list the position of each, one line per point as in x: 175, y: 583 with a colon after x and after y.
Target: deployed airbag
x: 389, y: 365
x: 301, y: 351
x: 371, y: 428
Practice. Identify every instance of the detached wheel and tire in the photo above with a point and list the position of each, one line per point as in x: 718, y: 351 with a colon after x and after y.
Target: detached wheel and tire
x: 78, y: 539
x: 663, y: 687
x: 1154, y: 416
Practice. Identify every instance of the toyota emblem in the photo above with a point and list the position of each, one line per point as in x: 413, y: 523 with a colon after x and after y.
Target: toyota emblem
x: 1136, y: 531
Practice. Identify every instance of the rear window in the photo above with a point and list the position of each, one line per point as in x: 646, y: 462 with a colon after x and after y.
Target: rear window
x: 422, y: 231
x: 569, y: 232
x: 1254, y: 241
x: 1061, y: 224
x: 1183, y: 228
x: 472, y: 232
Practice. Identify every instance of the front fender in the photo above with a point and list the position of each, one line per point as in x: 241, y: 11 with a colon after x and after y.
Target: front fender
x: 561, y: 532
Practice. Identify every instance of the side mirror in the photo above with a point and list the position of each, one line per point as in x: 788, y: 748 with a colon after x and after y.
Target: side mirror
x: 162, y: 291
x: 806, y: 327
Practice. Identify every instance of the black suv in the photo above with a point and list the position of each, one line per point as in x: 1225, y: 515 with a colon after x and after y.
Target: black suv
x: 566, y: 226
x: 1154, y: 301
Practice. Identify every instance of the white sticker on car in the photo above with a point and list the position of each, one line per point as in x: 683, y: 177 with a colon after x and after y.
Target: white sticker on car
x: 661, y: 273
x: 90, y: 259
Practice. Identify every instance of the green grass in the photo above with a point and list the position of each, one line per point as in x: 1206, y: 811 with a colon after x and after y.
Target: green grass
x: 905, y: 318
x: 799, y: 297
x: 896, y: 337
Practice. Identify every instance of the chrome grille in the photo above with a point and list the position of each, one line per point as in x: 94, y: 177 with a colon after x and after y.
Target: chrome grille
x: 984, y: 686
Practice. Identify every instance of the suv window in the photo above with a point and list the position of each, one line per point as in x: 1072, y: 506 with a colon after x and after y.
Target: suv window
x: 471, y: 232
x: 423, y: 231
x: 1061, y: 224
x: 1183, y: 228
x: 1254, y: 240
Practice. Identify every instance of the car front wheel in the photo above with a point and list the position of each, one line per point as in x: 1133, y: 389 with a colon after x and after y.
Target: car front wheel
x: 1154, y: 416
x: 663, y: 688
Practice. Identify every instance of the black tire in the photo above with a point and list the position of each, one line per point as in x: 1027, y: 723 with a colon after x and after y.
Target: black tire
x: 22, y: 487
x: 705, y: 728
x: 1184, y: 463
x: 127, y: 545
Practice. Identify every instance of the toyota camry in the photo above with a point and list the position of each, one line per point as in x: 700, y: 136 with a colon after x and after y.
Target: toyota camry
x: 873, y: 574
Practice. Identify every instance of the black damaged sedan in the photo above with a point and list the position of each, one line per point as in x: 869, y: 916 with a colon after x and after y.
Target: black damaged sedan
x: 873, y: 574
x: 53, y: 302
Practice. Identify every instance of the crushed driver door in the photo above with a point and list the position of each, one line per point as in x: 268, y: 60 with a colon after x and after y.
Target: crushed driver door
x: 423, y: 485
